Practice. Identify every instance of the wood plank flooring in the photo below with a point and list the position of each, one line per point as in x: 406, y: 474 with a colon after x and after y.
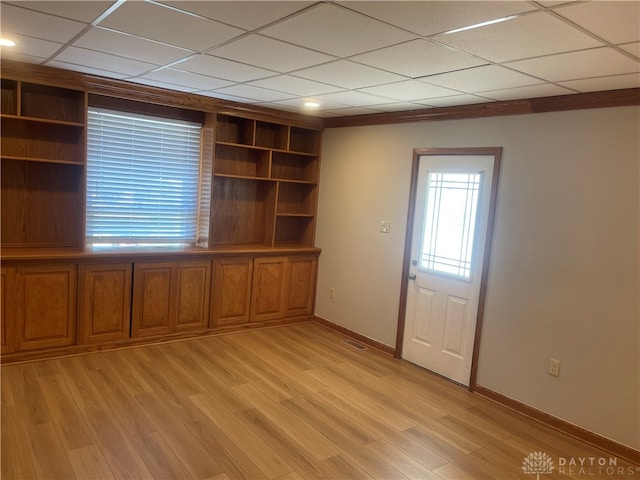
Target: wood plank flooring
x: 287, y: 403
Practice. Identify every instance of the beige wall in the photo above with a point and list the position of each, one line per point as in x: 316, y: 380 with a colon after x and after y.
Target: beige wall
x: 564, y: 277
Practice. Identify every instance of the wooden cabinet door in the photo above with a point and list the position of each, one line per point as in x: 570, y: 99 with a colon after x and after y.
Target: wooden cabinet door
x: 104, y: 302
x: 268, y: 288
x: 151, y: 309
x: 231, y: 302
x: 7, y: 310
x: 192, y: 290
x: 300, y: 285
x: 46, y: 306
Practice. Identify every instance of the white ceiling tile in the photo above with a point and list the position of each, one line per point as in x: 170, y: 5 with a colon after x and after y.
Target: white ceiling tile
x: 431, y: 17
x: 409, y: 90
x: 616, y: 22
x: 630, y: 80
x: 632, y: 48
x: 222, y: 96
x: 295, y: 85
x: 527, y: 36
x: 21, y: 57
x: 86, y: 11
x: 126, y: 45
x: 574, y: 65
x: 39, y: 25
x: 186, y: 79
x: 255, y: 93
x: 418, y: 58
x: 270, y: 54
x: 337, y: 31
x: 478, y: 79
x: 399, y: 107
x: 455, y: 100
x: 159, y: 84
x: 248, y: 15
x: 531, y: 91
x: 346, y: 74
x: 354, y: 98
x: 346, y: 112
x: 89, y: 70
x: 29, y: 46
x: 103, y: 61
x: 222, y: 68
x: 298, y: 104
x: 167, y: 25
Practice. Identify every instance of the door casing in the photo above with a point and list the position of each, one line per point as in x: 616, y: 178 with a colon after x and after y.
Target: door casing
x: 417, y: 153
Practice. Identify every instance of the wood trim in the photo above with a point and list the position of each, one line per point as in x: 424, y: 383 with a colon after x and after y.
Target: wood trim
x: 497, y: 155
x: 560, y: 425
x: 406, y: 259
x: 577, y: 101
x: 356, y: 336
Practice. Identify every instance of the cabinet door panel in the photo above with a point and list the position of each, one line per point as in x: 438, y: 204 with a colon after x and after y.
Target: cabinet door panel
x: 7, y: 312
x: 300, y: 285
x: 46, y: 306
x: 193, y: 283
x: 151, y: 311
x: 268, y: 288
x: 231, y: 291
x: 105, y: 302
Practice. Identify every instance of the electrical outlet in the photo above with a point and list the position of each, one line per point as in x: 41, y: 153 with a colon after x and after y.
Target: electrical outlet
x: 554, y: 367
x: 332, y: 292
x: 385, y: 226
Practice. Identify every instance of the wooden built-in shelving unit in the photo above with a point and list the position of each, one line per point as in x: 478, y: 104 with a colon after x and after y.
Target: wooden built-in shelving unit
x: 258, y: 262
x: 265, y: 183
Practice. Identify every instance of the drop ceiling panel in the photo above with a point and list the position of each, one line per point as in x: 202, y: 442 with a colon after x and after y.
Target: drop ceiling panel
x: 531, y: 91
x: 86, y: 11
x: 409, y: 90
x: 633, y: 48
x: 226, y: 69
x: 85, y: 69
x: 30, y: 46
x: 270, y: 54
x: 125, y: 45
x: 527, y: 36
x: 38, y: 25
x: 186, y: 79
x: 631, y: 80
x: 248, y: 15
x: 483, y: 78
x: 350, y: 33
x: 295, y: 85
x: 354, y: 98
x: 455, y: 100
x: 346, y: 74
x: 255, y: 93
x: 418, y: 58
x: 616, y: 22
x: 167, y: 25
x: 103, y: 61
x: 575, y: 65
x: 431, y: 17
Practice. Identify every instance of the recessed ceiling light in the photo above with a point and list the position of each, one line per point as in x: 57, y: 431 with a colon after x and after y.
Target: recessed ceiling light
x: 7, y: 43
x: 483, y: 24
x: 311, y: 104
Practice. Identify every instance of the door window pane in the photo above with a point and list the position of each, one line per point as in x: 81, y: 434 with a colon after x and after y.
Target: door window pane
x: 450, y: 220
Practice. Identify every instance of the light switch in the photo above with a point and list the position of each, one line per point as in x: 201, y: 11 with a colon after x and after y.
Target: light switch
x: 385, y: 226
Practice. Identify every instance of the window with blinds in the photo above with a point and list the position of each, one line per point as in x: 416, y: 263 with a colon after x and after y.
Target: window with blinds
x: 142, y: 179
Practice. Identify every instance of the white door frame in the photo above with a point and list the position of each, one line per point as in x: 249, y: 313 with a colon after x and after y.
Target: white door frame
x: 417, y: 153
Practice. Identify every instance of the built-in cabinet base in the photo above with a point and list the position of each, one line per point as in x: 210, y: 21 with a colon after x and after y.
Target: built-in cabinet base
x: 51, y: 308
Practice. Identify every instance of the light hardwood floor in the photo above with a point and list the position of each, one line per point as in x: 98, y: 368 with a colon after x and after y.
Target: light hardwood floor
x: 293, y: 402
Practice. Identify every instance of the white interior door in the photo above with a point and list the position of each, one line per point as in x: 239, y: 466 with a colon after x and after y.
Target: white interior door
x: 451, y: 214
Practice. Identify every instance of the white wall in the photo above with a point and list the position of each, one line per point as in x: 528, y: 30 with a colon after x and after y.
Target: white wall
x: 564, y: 276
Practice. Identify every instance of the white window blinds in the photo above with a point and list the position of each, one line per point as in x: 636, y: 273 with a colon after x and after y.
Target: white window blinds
x: 142, y: 179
